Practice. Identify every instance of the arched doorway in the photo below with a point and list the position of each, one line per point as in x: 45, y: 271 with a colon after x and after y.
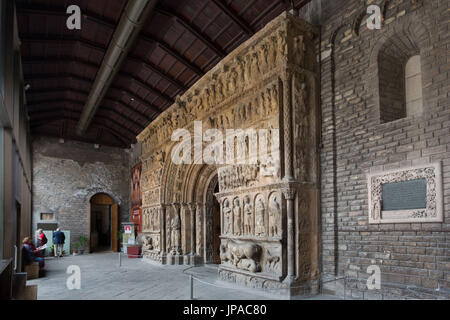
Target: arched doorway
x: 212, y: 223
x: 103, y: 223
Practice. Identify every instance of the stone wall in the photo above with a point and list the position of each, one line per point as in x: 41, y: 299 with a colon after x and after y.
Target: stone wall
x: 66, y: 176
x: 357, y: 142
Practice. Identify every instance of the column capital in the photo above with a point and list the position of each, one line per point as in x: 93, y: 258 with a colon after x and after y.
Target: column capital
x: 289, y: 193
x: 192, y: 206
x: 176, y: 205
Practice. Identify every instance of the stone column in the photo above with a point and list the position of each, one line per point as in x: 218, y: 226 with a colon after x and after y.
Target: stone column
x: 289, y: 195
x: 163, y: 232
x: 192, y: 208
x: 176, y: 243
x: 199, y: 234
x: 287, y: 126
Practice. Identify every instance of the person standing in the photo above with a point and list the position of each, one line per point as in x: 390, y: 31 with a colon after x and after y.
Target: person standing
x: 42, y: 240
x: 58, y: 242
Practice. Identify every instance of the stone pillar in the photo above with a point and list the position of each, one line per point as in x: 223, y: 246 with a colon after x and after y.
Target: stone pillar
x: 289, y: 195
x: 192, y: 208
x: 184, y: 240
x: 287, y: 127
x: 199, y: 234
x: 175, y: 234
x: 163, y: 233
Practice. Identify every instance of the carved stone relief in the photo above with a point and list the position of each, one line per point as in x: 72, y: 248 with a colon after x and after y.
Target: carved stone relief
x: 274, y: 215
x: 245, y: 256
x: 249, y: 89
x: 434, y: 202
x: 260, y: 216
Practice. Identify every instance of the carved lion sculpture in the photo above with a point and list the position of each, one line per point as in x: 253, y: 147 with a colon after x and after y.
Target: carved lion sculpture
x: 242, y: 255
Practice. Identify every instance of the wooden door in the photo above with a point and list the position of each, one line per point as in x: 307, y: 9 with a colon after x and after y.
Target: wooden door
x: 114, y: 227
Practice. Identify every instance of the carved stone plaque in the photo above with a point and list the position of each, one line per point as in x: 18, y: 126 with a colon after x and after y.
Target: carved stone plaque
x: 405, y: 195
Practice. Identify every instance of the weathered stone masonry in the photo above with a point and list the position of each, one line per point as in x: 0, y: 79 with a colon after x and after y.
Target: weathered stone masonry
x: 356, y: 142
x: 67, y: 175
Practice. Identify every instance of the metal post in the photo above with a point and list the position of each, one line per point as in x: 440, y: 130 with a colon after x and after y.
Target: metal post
x: 192, y: 287
x: 120, y: 260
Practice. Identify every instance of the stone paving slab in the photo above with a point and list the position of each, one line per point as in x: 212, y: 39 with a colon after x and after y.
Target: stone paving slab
x: 136, y: 279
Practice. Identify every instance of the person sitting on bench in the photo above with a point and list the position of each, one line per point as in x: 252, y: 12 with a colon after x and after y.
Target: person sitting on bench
x: 31, y: 253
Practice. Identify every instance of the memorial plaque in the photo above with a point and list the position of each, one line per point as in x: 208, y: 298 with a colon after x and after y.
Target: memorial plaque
x: 406, y: 195
x: 47, y: 226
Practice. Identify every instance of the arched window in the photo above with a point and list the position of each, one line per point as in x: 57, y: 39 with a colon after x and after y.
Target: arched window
x: 413, y: 86
x: 400, y: 82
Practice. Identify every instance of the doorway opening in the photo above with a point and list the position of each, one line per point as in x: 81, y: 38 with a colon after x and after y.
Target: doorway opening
x: 216, y: 227
x: 103, y: 224
x: 212, y: 222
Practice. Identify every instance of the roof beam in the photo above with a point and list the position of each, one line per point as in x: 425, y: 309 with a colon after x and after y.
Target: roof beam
x: 55, y: 90
x: 154, y: 108
x: 136, y: 112
x: 80, y: 103
x: 118, y: 135
x: 177, y: 56
x: 235, y: 17
x: 128, y: 131
x: 58, y: 59
x: 192, y: 29
x: 147, y: 87
x: 36, y: 9
x: 131, y: 22
x: 98, y: 47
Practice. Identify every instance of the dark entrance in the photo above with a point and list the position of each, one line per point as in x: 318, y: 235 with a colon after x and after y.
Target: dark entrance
x: 103, y: 223
x: 216, y: 227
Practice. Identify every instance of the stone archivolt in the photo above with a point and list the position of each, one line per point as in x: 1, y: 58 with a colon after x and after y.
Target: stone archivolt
x: 269, y: 82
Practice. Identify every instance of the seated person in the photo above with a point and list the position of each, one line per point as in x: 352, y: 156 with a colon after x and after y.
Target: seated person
x: 31, y: 254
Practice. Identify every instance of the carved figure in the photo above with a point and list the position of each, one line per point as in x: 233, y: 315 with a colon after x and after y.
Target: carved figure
x: 227, y: 216
x: 248, y: 217
x: 147, y: 243
x: 260, y: 212
x: 272, y: 262
x: 237, y: 228
x: 274, y: 216
x: 175, y: 230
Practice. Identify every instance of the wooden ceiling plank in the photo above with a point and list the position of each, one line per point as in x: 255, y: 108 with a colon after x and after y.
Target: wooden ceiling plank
x: 171, y: 52
x: 79, y: 103
x: 192, y: 29
x: 235, y: 17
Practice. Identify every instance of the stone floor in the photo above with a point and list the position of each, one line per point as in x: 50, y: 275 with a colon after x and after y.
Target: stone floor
x: 136, y: 279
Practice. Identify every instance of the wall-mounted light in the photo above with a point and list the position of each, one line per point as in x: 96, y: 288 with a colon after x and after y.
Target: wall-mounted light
x: 27, y: 87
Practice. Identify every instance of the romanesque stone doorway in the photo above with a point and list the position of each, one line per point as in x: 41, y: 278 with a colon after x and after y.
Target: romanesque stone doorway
x: 103, y: 223
x: 213, y: 225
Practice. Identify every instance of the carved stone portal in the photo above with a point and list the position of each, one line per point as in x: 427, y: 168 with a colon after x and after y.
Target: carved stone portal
x: 267, y: 89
